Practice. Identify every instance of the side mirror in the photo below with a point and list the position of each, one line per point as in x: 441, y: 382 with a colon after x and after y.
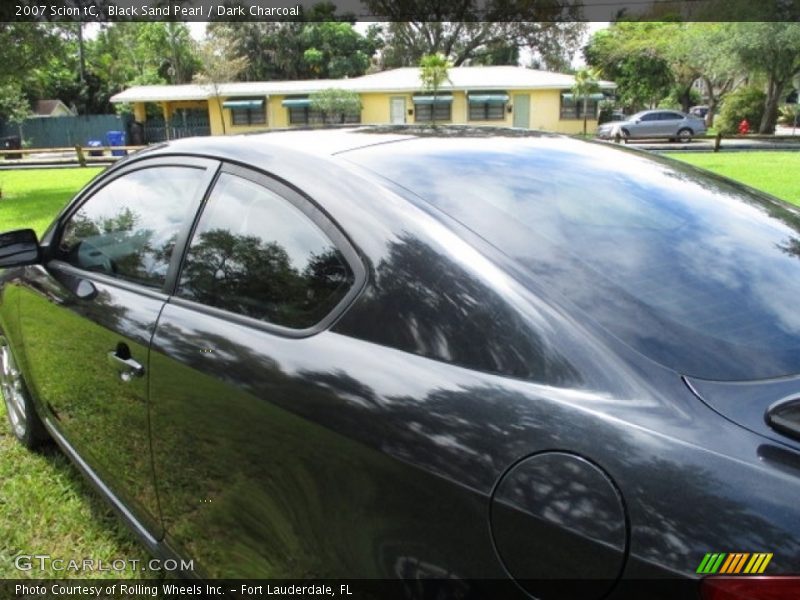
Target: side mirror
x: 638, y: 121
x: 18, y: 248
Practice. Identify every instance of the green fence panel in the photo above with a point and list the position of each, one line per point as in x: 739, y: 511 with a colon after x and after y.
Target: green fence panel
x: 57, y: 132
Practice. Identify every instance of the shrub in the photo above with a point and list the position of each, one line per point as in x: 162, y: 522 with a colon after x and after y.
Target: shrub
x: 790, y: 114
x: 743, y: 103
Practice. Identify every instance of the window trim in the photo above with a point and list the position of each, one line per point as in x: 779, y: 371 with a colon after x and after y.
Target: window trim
x: 592, y: 115
x: 483, y: 100
x: 253, y: 116
x: 316, y: 215
x: 210, y: 168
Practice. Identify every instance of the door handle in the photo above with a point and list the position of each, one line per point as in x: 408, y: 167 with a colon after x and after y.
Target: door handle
x: 122, y: 361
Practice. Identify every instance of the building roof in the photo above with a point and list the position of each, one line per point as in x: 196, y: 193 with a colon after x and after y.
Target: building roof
x: 45, y: 108
x: 395, y: 80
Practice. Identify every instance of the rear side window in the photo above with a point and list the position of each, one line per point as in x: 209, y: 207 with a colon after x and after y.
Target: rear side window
x: 256, y: 254
x: 129, y: 227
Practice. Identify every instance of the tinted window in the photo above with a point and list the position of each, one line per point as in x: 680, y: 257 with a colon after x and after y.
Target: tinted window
x: 692, y: 271
x: 427, y: 112
x: 256, y: 254
x: 129, y: 227
x: 650, y: 117
x: 669, y: 116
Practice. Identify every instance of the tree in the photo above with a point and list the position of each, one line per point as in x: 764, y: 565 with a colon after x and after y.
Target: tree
x: 14, y: 107
x: 218, y: 64
x: 433, y: 73
x: 335, y: 50
x: 336, y: 104
x: 771, y: 49
x: 629, y: 54
x: 718, y: 67
x: 24, y: 47
x: 467, y: 39
x: 585, y: 84
x: 321, y: 46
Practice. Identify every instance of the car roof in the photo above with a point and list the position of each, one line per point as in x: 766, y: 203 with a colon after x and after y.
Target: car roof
x: 324, y: 141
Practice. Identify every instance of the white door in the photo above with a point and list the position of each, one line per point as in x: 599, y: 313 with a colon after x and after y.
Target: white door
x: 397, y: 112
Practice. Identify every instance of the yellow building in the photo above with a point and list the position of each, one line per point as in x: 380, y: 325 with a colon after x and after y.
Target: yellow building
x: 498, y: 96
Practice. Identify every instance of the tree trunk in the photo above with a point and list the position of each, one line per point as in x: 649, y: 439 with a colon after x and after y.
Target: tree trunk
x: 584, y: 114
x: 712, y: 102
x: 712, y: 110
x: 686, y: 99
x: 774, y: 89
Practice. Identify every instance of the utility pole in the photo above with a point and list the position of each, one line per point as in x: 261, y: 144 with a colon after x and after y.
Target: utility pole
x: 81, y: 59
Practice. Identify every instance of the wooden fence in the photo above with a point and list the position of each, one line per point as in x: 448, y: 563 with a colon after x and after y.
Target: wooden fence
x: 80, y: 155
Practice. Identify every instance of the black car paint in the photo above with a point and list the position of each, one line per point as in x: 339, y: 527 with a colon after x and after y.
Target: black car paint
x: 359, y: 449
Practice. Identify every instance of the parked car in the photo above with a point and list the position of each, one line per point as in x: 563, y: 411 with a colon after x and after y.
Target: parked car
x: 699, y: 111
x: 504, y: 361
x: 653, y: 124
x: 612, y: 116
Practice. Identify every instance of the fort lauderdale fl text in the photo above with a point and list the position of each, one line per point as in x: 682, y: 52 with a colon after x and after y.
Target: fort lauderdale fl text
x: 205, y: 590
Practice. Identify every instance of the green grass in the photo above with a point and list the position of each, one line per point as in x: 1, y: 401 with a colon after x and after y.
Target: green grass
x: 33, y: 197
x: 777, y: 173
x: 46, y: 507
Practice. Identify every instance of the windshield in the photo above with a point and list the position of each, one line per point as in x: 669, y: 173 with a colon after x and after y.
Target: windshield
x: 693, y: 271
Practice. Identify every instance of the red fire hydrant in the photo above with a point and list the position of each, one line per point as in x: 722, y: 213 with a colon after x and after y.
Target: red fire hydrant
x: 744, y: 127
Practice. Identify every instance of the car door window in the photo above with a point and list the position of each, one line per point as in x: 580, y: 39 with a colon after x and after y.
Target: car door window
x: 256, y: 254
x: 129, y: 227
x: 650, y: 117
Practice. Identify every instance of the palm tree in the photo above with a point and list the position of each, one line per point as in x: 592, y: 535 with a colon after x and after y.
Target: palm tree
x: 586, y: 84
x: 433, y: 73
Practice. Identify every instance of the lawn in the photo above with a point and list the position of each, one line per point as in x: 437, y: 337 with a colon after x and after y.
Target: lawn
x: 46, y: 507
x: 32, y: 197
x: 777, y: 173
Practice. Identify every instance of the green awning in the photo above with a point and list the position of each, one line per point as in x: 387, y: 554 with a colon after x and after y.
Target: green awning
x: 440, y: 99
x: 488, y: 98
x: 241, y: 103
x: 588, y: 97
x: 296, y: 102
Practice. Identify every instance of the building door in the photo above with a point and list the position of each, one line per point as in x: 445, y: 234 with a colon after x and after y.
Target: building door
x: 522, y: 110
x: 398, y: 110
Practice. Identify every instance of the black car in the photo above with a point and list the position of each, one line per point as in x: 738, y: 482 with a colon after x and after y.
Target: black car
x: 472, y: 356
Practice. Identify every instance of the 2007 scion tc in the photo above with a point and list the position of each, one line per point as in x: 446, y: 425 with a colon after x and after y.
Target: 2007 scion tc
x: 473, y: 356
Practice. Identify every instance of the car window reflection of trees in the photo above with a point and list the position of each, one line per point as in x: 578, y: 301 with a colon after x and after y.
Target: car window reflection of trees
x: 248, y: 275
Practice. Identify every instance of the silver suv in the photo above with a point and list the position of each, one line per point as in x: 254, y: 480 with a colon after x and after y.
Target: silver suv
x: 671, y: 124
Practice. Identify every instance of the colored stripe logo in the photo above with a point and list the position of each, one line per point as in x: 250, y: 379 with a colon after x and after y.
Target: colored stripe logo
x: 734, y: 563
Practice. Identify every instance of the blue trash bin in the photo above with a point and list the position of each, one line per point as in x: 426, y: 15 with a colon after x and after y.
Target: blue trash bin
x: 116, y: 138
x: 95, y: 147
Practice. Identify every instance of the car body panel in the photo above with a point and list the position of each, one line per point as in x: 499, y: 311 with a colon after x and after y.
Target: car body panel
x: 67, y: 343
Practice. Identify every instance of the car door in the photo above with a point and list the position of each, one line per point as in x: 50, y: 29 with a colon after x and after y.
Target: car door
x: 646, y: 127
x: 670, y: 123
x: 264, y: 274
x: 87, y: 316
